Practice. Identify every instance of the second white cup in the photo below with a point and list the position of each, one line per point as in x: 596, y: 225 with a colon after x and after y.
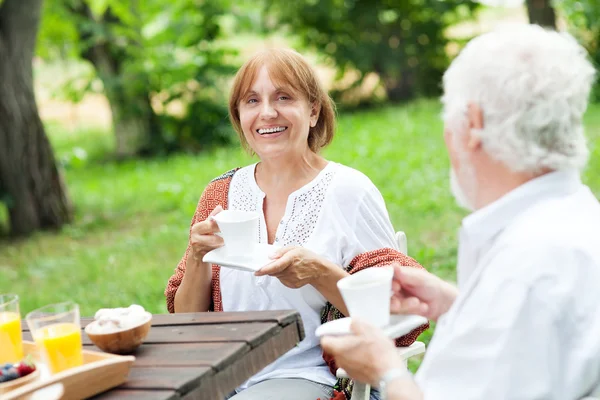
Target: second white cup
x: 367, y: 294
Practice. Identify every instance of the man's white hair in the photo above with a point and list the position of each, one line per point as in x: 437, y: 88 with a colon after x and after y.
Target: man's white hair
x: 533, y: 87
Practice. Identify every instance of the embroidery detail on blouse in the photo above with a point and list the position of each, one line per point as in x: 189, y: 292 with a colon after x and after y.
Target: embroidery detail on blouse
x: 242, y: 196
x: 306, y: 209
x: 295, y: 229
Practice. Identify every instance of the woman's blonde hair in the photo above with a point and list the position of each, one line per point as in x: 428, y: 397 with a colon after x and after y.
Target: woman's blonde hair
x: 285, y: 66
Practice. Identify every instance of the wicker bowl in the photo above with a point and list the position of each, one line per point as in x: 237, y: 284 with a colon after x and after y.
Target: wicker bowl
x: 123, y: 341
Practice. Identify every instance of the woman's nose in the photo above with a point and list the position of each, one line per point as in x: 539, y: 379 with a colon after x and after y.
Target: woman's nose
x: 268, y: 111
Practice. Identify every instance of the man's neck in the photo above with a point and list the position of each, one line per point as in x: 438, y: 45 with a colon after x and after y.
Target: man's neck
x: 497, y: 180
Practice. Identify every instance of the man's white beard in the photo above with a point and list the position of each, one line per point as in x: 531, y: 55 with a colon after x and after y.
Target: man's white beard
x: 459, y: 194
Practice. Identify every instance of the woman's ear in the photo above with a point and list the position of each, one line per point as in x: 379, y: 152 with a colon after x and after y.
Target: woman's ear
x: 315, y: 110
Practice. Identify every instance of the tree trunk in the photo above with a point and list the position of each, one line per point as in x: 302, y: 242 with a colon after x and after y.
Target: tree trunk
x: 131, y: 112
x: 134, y: 121
x: 541, y: 13
x: 35, y: 192
x: 133, y: 116
x: 400, y: 89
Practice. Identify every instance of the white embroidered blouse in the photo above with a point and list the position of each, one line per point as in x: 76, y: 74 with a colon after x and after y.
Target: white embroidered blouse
x: 338, y: 215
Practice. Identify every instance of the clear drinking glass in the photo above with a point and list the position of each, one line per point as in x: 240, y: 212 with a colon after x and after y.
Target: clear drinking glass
x: 56, y: 329
x: 11, y: 342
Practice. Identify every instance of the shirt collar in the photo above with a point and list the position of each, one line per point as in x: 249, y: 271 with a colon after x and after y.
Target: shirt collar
x: 482, y: 225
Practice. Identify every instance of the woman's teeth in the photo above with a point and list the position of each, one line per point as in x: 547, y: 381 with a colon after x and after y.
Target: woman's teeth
x: 271, y: 130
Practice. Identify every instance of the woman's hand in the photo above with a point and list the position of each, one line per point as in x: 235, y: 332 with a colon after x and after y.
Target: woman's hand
x: 194, y: 292
x: 203, y: 238
x: 294, y: 267
x: 417, y: 291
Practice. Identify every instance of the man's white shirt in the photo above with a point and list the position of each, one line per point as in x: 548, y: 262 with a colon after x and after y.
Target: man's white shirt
x: 526, y: 324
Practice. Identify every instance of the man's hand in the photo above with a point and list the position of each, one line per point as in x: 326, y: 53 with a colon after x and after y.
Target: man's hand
x: 366, y: 355
x: 417, y: 291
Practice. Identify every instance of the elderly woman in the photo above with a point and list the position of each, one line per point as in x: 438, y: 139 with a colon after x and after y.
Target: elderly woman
x: 329, y: 219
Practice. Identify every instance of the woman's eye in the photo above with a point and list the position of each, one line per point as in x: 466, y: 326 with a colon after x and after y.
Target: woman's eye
x: 252, y: 101
x: 283, y: 97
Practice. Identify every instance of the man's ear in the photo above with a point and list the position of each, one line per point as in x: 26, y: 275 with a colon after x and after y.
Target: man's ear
x: 315, y: 110
x: 475, y: 119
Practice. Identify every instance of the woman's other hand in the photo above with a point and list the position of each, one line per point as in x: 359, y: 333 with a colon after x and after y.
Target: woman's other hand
x: 294, y: 267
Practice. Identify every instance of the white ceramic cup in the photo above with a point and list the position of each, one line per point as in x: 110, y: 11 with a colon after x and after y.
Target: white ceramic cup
x: 367, y: 294
x: 239, y: 230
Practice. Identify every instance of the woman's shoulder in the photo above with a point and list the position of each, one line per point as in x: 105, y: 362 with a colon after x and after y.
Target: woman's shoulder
x: 353, y: 193
x: 221, y: 183
x: 350, y: 180
x: 228, y: 176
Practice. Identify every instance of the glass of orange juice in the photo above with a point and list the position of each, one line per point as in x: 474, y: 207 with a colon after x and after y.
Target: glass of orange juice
x: 11, y: 343
x: 56, y: 330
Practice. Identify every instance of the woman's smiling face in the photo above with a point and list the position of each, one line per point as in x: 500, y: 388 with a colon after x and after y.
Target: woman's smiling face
x: 275, y: 119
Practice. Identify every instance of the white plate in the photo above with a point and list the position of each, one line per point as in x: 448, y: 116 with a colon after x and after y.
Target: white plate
x: 399, y: 325
x: 251, y: 261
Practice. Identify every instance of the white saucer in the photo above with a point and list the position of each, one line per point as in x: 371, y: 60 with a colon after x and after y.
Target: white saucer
x: 251, y: 261
x: 399, y: 325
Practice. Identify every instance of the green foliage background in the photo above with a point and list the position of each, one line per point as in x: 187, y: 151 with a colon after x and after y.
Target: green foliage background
x: 583, y: 21
x: 404, y: 42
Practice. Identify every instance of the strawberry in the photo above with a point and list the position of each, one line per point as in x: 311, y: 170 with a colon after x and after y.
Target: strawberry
x: 25, y: 368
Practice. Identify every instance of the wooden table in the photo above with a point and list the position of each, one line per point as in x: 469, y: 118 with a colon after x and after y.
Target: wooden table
x: 204, y: 355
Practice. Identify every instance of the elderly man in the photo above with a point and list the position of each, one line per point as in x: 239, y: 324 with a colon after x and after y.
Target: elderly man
x: 525, y: 321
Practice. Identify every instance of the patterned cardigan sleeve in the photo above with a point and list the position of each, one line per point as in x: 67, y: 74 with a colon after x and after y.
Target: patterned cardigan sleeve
x: 216, y: 193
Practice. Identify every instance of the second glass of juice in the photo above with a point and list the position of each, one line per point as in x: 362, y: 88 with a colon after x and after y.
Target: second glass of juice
x: 11, y: 343
x: 56, y: 330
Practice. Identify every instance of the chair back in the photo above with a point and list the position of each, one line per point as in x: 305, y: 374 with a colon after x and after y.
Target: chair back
x: 402, y: 242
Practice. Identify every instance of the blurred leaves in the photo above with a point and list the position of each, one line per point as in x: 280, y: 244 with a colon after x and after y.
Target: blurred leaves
x: 178, y: 51
x: 145, y: 49
x: 179, y: 54
x: 583, y: 19
x: 402, y: 41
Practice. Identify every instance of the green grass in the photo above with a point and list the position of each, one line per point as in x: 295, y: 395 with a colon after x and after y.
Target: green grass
x: 132, y: 218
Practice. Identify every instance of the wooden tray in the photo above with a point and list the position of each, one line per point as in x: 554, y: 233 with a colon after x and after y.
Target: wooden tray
x: 99, y: 372
x: 6, y: 387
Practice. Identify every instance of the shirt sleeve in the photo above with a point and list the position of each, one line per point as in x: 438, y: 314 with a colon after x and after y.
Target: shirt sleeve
x: 214, y: 194
x: 371, y: 228
x: 504, y: 340
x: 175, y: 279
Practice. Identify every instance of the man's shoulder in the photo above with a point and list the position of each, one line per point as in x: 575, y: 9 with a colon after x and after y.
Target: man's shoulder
x: 562, y: 224
x: 558, y: 240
